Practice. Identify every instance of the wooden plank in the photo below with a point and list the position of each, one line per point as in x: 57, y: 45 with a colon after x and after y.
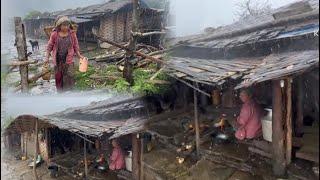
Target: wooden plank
x: 310, y: 156
x: 264, y: 145
x: 196, y: 120
x: 260, y: 152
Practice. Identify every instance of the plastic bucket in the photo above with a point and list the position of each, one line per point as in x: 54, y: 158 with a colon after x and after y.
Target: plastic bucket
x: 128, y: 161
x: 266, y: 122
x: 83, y: 64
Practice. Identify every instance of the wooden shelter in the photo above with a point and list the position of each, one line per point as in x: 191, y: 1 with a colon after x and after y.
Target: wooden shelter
x: 273, y: 51
x: 99, y: 121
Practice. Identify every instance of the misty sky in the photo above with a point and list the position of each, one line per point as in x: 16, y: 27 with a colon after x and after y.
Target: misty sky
x: 191, y: 16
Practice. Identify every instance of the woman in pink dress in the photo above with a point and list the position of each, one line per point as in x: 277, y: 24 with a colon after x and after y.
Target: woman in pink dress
x: 248, y: 123
x: 117, y: 157
x: 63, y: 45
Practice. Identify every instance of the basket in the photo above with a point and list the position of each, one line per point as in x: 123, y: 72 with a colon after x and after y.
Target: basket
x: 47, y: 76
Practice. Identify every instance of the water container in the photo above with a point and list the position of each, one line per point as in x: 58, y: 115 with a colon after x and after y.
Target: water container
x: 128, y: 160
x: 266, y: 122
x: 83, y: 64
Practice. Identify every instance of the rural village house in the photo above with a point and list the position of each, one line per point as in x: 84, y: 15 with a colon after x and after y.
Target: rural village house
x: 112, y: 19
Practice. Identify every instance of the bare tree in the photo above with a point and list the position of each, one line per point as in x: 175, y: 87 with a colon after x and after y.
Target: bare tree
x: 252, y: 8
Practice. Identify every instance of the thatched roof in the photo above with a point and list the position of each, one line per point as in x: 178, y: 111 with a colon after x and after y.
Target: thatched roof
x: 210, y: 71
x: 277, y: 66
x: 248, y: 70
x: 95, y: 10
x: 95, y: 120
x: 279, y: 20
x: 294, y: 20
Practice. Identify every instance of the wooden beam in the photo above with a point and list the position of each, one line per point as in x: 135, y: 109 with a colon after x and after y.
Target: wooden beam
x: 22, y: 63
x: 299, y: 106
x: 135, y: 156
x: 278, y: 150
x: 85, y: 158
x: 188, y: 84
x: 289, y: 120
x: 127, y: 49
x: 36, y: 142
x: 196, y: 121
x: 147, y: 33
x: 21, y: 45
x: 260, y: 152
x: 84, y: 138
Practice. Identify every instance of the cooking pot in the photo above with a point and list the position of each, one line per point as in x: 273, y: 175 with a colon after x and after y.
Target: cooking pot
x: 220, y: 138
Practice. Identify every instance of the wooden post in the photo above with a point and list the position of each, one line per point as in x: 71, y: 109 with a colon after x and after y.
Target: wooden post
x: 135, y: 157
x: 128, y: 66
x: 84, y: 34
x: 185, y: 97
x: 26, y: 144
x: 36, y: 142
x: 85, y: 159
x: 299, y: 106
x: 141, y: 159
x: 21, y: 45
x: 289, y: 121
x: 47, y: 141
x: 196, y: 123
x: 278, y: 150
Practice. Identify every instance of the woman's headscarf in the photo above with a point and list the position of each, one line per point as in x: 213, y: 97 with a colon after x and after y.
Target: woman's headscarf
x: 60, y: 20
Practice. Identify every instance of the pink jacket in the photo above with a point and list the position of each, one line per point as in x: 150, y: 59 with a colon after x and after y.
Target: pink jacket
x: 53, y: 46
x: 249, y: 121
x: 117, y: 159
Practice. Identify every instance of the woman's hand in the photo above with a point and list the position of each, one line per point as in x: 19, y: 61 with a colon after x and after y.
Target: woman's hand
x: 46, y: 60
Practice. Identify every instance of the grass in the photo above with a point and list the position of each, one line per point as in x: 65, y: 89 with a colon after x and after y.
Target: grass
x: 83, y: 81
x: 140, y: 76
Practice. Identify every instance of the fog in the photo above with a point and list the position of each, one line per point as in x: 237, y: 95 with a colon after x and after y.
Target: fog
x: 192, y: 16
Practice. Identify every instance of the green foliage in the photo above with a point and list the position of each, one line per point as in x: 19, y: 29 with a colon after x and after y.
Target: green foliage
x: 7, y: 121
x: 121, y: 85
x: 83, y: 81
x: 142, y: 86
x: 33, y: 14
x: 3, y: 78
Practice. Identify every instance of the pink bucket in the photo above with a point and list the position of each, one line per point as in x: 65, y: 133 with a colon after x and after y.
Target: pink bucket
x: 83, y: 64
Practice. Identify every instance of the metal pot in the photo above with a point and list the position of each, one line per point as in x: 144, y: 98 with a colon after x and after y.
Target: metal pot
x: 220, y: 138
